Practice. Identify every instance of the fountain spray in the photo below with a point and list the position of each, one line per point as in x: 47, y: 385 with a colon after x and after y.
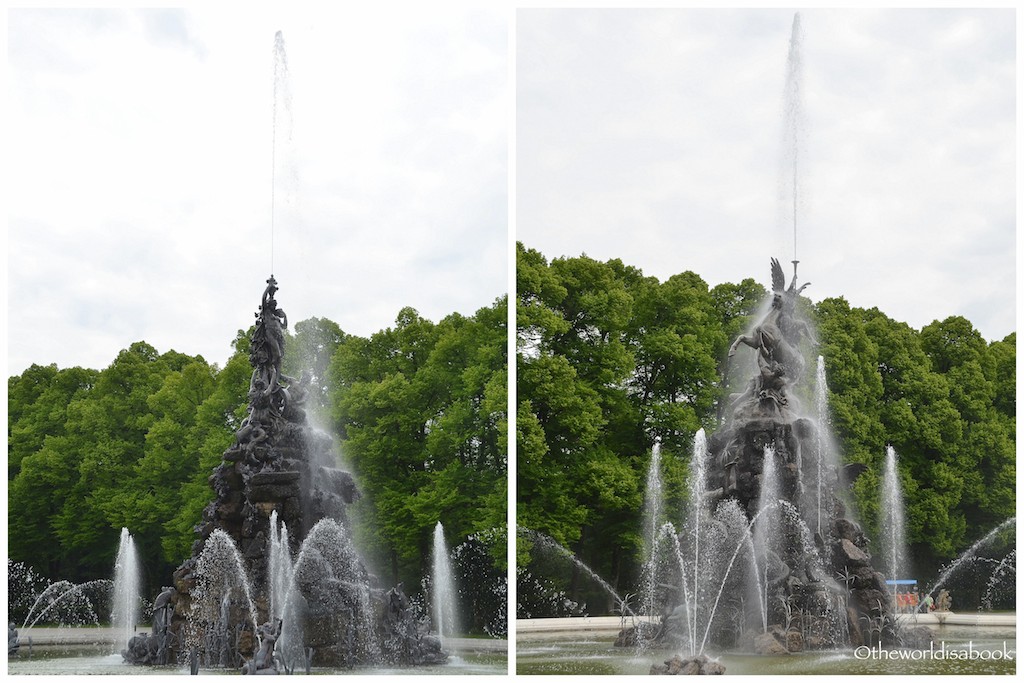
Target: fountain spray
x: 793, y: 127
x: 127, y: 590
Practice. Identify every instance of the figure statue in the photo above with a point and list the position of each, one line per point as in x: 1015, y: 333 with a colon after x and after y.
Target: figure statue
x: 776, y: 340
x: 397, y: 604
x: 252, y: 432
x: 263, y: 662
x: 268, y: 339
x: 12, y: 639
x: 944, y: 602
x: 162, y: 609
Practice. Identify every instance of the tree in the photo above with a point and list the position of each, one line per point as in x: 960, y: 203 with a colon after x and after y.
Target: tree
x: 421, y: 410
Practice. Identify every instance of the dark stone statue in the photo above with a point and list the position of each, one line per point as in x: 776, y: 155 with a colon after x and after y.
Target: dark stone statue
x: 12, y: 639
x: 278, y: 465
x: 155, y: 647
x: 780, y: 363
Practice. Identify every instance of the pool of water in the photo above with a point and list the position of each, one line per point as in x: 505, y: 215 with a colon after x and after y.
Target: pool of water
x: 92, y: 659
x: 957, y: 650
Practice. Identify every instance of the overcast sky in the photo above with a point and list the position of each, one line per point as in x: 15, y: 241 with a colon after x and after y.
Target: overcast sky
x: 141, y: 171
x: 655, y: 136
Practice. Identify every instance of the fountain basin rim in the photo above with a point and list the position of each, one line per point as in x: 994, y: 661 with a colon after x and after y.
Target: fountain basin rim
x: 1002, y: 620
x: 611, y: 624
x: 46, y: 636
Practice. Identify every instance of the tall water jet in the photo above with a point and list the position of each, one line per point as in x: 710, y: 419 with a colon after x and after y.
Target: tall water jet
x: 653, y: 505
x: 444, y: 595
x: 282, y: 174
x: 820, y: 484
x: 697, y: 512
x: 127, y: 591
x: 893, y: 525
x: 793, y: 133
x: 767, y: 540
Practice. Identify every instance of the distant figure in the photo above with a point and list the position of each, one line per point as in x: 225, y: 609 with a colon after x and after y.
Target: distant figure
x: 926, y: 604
x: 944, y: 603
x: 12, y: 639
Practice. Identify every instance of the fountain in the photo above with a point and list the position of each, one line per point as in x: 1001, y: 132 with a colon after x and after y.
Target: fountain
x: 127, y: 591
x: 893, y: 526
x: 240, y: 600
x: 970, y: 554
x: 769, y: 559
x: 761, y: 486
x: 653, y: 504
x: 485, y: 606
x: 37, y: 601
x: 444, y: 596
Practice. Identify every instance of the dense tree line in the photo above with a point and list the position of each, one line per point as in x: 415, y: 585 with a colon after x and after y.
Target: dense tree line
x: 420, y: 410
x: 608, y: 360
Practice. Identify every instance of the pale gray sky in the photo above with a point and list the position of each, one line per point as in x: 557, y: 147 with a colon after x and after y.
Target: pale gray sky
x: 139, y: 166
x: 655, y: 136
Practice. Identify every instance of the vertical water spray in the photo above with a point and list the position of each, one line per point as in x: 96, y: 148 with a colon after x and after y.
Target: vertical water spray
x: 821, y: 407
x: 278, y: 566
x: 442, y: 580
x: 281, y: 127
x: 653, y: 505
x: 697, y: 516
x: 766, y: 530
x: 893, y: 526
x: 127, y: 590
x: 793, y: 131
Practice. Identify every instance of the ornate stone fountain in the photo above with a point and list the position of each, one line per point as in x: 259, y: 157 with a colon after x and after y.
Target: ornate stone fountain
x: 277, y: 481
x: 769, y: 561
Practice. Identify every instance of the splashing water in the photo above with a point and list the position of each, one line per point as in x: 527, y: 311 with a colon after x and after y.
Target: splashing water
x: 444, y: 596
x: 697, y: 513
x: 766, y: 537
x: 66, y: 603
x: 221, y: 581
x: 1004, y: 574
x: 893, y: 525
x: 653, y: 505
x: 545, y: 542
x: 127, y: 591
x: 969, y: 554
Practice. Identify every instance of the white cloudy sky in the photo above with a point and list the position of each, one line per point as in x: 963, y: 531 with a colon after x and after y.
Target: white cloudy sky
x: 139, y: 194
x: 655, y: 136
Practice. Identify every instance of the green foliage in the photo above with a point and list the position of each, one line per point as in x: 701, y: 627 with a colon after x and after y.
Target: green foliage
x: 943, y: 398
x: 422, y: 411
x: 421, y: 408
x: 97, y: 451
x: 608, y: 359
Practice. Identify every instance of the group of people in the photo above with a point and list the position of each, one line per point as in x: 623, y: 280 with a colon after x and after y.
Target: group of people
x: 913, y: 601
